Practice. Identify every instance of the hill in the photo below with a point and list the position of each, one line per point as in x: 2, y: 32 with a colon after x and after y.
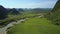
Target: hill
x: 3, y: 12
x: 39, y: 25
x: 35, y: 26
x: 54, y: 15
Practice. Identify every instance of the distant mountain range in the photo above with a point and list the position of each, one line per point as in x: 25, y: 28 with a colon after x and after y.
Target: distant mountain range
x: 33, y: 10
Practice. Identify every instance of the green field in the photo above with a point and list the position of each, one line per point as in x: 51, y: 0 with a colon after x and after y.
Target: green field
x: 12, y: 18
x: 38, y: 20
x: 35, y: 26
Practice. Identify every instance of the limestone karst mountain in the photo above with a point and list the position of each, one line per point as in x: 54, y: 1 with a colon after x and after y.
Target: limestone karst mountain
x: 14, y: 11
x: 57, y: 6
x: 55, y: 13
x: 3, y: 12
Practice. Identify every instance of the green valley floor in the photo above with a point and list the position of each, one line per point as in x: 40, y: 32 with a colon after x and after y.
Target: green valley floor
x: 35, y: 26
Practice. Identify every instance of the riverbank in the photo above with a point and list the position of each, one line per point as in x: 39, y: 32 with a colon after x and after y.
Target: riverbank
x: 35, y: 26
x: 4, y: 29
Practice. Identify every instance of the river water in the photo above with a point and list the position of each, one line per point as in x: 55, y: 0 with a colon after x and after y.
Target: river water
x: 4, y: 29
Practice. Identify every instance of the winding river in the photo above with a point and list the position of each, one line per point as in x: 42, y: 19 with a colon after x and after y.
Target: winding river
x: 4, y: 29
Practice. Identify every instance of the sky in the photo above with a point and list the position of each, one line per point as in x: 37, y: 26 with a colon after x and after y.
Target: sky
x: 28, y: 3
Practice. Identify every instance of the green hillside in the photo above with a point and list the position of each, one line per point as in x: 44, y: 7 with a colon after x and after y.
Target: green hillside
x: 54, y: 15
x: 35, y: 26
x: 56, y: 7
x: 40, y: 25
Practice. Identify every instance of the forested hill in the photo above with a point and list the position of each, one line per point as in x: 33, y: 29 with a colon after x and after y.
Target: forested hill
x: 57, y: 6
x: 3, y: 12
x: 55, y: 14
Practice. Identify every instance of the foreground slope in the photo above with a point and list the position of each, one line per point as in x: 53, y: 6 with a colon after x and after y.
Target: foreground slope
x: 39, y: 25
x: 35, y: 26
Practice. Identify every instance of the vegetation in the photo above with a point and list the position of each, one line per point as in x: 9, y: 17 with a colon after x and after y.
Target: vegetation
x: 35, y: 26
x: 14, y: 11
x: 3, y: 12
x: 54, y: 15
x: 40, y: 25
x: 8, y: 15
x: 14, y: 17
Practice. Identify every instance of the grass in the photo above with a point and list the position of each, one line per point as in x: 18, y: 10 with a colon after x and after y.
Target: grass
x: 35, y: 26
x: 11, y: 18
